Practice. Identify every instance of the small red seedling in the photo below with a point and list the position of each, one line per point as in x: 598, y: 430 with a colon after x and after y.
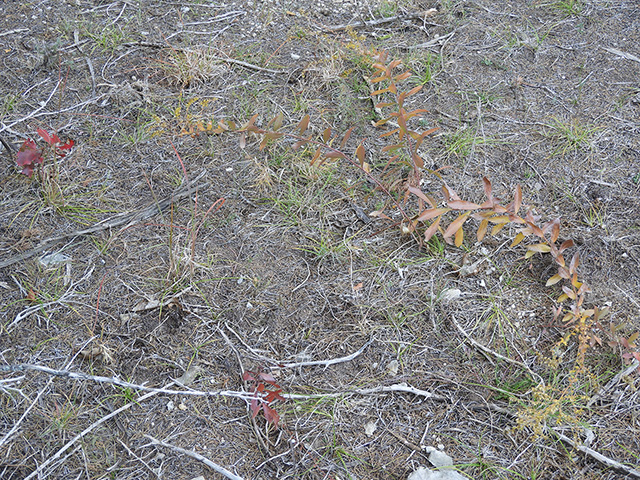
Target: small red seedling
x: 29, y: 155
x: 264, y: 395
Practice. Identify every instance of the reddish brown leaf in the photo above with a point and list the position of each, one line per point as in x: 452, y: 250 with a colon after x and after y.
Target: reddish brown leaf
x: 575, y: 261
x: 345, y: 139
x: 402, y: 76
x: 517, y: 199
x: 566, y: 244
x: 431, y: 213
x: 316, y: 155
x: 417, y: 160
x: 433, y: 228
x: 455, y: 225
x: 463, y: 205
x: 360, y: 153
x: 304, y: 124
x: 414, y: 90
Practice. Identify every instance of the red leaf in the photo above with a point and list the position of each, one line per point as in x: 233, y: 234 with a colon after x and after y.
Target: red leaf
x: 28, y: 156
x: 255, y: 408
x: 271, y: 415
x: 46, y: 137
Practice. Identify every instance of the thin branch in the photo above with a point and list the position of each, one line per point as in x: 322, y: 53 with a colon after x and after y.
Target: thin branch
x: 233, y: 61
x: 69, y: 444
x: 115, y: 221
x: 121, y: 383
x: 399, y: 387
x: 613, y: 382
x: 382, y: 21
x: 596, y: 455
x: 325, y: 363
x: 197, y: 456
x: 495, y: 354
x: 14, y: 429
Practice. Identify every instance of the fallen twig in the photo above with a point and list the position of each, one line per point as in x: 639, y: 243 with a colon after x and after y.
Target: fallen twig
x: 613, y: 382
x: 94, y: 425
x: 626, y: 55
x: 399, y: 387
x: 197, y: 456
x: 433, y: 41
x: 121, y: 383
x: 325, y: 363
x: 596, y: 455
x: 115, y: 221
x: 233, y: 61
x: 382, y: 21
x: 495, y: 354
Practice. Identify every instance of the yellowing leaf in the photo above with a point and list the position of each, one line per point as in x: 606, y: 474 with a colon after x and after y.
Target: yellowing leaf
x: 459, y: 237
x: 482, y: 229
x: 497, y: 228
x: 553, y: 280
x: 519, y: 237
x: 539, y: 247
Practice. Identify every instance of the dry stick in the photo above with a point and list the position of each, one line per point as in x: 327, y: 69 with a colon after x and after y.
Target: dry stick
x: 495, y: 354
x: 398, y: 387
x: 613, y: 382
x: 115, y: 221
x: 596, y: 455
x: 233, y: 61
x: 69, y: 444
x: 197, y: 456
x: 121, y: 383
x: 26, y: 412
x: 433, y: 41
x: 382, y: 21
x: 325, y: 363
x: 36, y: 111
x: 626, y: 55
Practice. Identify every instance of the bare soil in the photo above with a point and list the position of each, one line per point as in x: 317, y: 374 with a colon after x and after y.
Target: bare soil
x: 268, y: 261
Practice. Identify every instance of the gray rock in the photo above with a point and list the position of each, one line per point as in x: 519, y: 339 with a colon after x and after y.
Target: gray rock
x: 424, y: 473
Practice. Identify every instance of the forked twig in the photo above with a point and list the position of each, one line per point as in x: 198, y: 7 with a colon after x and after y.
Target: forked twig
x: 197, y: 456
x: 494, y: 353
x: 94, y: 425
x: 121, y: 383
